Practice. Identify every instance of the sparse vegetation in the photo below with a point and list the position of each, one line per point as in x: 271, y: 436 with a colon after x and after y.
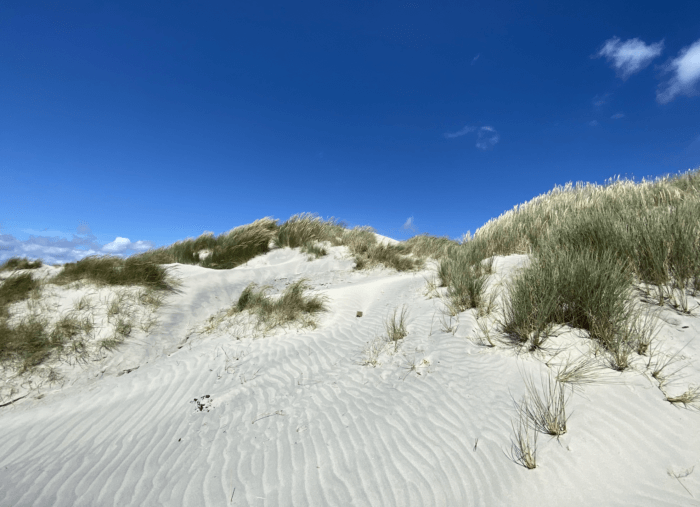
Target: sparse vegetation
x: 313, y: 250
x: 395, y: 327
x: 292, y: 306
x: 29, y: 342
x: 228, y: 250
x: 546, y: 411
x: 395, y: 330
x: 16, y: 263
x: 583, y: 372
x: 524, y: 447
x: 690, y: 397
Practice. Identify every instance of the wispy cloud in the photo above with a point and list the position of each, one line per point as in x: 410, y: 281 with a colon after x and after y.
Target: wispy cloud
x: 56, y: 249
x: 488, y: 137
x: 475, y: 58
x: 460, y: 132
x: 685, y: 71
x: 601, y: 100
x: 617, y: 116
x: 631, y: 56
x: 409, y: 225
x: 593, y: 123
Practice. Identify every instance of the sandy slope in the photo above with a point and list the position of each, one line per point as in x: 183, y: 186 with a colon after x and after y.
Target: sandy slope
x: 294, y: 418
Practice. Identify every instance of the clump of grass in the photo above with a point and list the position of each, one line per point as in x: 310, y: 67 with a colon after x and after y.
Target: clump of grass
x: 660, y: 365
x: 111, y: 270
x: 368, y: 252
x: 484, y: 339
x: 292, y: 306
x: 547, y: 411
x: 426, y: 246
x: 228, y: 250
x: 524, y: 447
x: 27, y: 343
x: 395, y: 327
x: 65, y: 329
x: 306, y: 228
x: 391, y: 256
x: 464, y: 273
x: 584, y: 289
x: 583, y: 372
x: 690, y: 397
x: 372, y: 351
x: 16, y: 288
x: 15, y: 263
x: 314, y: 250
x: 394, y: 331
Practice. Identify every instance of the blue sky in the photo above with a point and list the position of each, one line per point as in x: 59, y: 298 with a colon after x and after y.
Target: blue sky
x: 129, y: 125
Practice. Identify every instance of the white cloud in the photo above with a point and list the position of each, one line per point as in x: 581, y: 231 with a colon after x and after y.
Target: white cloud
x: 593, y: 123
x: 686, y: 75
x: 461, y: 132
x: 120, y: 244
x: 617, y: 116
x: 475, y: 58
x: 56, y: 249
x: 488, y: 137
x: 631, y: 56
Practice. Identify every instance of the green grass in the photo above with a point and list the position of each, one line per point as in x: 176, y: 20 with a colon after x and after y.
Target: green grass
x: 32, y: 341
x: 314, y: 250
x: 306, y: 229
x: 228, y: 250
x: 464, y: 272
x: 395, y: 327
x: 293, y: 306
x: 115, y: 271
x: 592, y: 249
x: 590, y: 245
x: 16, y: 263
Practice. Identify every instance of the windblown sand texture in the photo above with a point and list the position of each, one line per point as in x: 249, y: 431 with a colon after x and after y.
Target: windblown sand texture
x: 182, y: 417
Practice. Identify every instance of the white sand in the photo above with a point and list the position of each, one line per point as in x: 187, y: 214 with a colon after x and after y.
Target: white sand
x: 293, y: 418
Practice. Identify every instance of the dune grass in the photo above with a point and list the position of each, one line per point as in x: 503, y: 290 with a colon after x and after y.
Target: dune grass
x: 293, y: 306
x: 16, y: 263
x: 228, y: 250
x: 395, y: 330
x: 395, y: 327
x: 546, y: 411
x: 33, y: 340
x: 591, y: 246
x: 306, y: 230
x: 524, y: 448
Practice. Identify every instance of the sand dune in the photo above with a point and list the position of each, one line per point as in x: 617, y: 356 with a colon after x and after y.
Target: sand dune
x: 295, y: 418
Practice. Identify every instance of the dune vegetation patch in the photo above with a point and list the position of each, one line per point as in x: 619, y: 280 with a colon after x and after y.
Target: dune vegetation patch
x: 16, y: 263
x: 226, y: 251
x: 257, y: 312
x: 294, y: 305
x: 307, y: 230
x: 37, y: 334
